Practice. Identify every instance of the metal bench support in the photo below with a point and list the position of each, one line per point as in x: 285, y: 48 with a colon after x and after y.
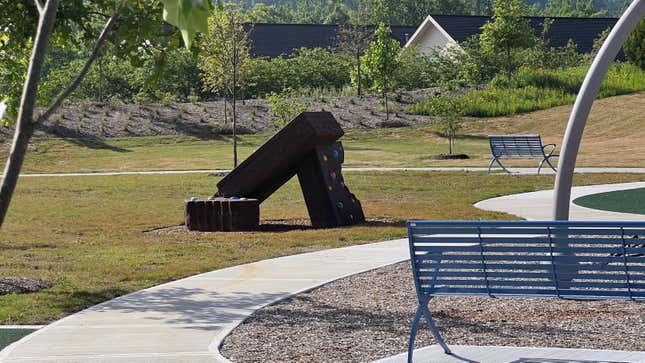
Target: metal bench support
x: 422, y: 309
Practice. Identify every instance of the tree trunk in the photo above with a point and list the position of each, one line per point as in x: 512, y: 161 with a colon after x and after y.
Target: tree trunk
x: 387, y: 109
x: 359, y: 90
x: 509, y: 65
x: 25, y: 121
x: 225, y: 110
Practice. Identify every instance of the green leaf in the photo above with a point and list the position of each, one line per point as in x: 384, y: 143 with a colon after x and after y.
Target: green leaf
x: 189, y: 16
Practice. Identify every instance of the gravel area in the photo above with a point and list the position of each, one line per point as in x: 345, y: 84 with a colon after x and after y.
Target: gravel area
x: 91, y: 120
x: 367, y: 316
x: 21, y: 285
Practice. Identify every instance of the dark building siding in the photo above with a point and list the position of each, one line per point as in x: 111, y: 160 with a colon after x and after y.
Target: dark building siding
x: 583, y: 31
x: 272, y: 40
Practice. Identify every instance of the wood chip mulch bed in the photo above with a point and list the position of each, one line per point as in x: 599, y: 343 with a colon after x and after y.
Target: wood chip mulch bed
x: 367, y: 316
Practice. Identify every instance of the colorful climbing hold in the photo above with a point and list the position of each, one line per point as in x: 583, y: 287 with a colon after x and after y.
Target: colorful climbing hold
x: 335, y: 153
x: 333, y: 175
x: 340, y: 205
x: 324, y: 158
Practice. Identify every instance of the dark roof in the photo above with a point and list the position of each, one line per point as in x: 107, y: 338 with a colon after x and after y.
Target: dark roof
x: 583, y: 31
x: 272, y: 40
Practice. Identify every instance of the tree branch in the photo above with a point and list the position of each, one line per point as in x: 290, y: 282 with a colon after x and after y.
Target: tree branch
x: 40, y: 6
x: 86, y: 67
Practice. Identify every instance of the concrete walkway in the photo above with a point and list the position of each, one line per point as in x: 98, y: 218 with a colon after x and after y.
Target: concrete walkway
x: 186, y: 320
x: 476, y: 354
x: 515, y: 171
x: 538, y: 205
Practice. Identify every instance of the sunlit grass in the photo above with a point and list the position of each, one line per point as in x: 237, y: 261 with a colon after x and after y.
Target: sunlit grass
x: 87, y: 236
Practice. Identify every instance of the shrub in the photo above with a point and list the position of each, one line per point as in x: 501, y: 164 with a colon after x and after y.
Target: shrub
x: 635, y: 46
x: 284, y: 107
x: 305, y: 69
x: 533, y: 90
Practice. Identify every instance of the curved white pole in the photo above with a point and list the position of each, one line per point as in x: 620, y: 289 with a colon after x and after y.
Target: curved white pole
x: 588, y: 91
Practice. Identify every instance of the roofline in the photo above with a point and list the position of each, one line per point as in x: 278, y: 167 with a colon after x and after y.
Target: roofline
x: 443, y: 15
x: 429, y: 19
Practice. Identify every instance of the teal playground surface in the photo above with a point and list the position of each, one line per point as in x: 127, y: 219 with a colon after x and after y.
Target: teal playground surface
x: 624, y: 201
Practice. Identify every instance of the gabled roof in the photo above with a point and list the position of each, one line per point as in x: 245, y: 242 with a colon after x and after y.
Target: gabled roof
x: 583, y: 31
x: 272, y: 40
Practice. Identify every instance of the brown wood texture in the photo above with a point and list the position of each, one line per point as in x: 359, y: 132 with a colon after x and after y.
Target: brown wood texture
x: 222, y: 214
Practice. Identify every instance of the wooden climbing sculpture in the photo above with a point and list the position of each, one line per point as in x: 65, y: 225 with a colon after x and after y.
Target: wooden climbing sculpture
x: 306, y: 147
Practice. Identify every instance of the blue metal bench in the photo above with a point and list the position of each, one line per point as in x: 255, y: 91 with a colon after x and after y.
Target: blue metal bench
x: 563, y: 259
x: 519, y: 146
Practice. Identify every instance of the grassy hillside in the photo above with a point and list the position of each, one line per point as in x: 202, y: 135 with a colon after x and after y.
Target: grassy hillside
x: 612, y: 138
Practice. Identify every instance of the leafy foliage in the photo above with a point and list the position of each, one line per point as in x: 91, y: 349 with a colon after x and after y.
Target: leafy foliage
x: 450, y: 112
x: 284, y: 107
x: 190, y: 16
x: 224, y: 57
x: 534, y: 89
x: 507, y: 33
x: 381, y: 61
x: 306, y: 68
x: 635, y: 45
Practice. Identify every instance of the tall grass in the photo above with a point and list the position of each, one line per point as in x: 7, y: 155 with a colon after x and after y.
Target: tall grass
x: 537, y: 89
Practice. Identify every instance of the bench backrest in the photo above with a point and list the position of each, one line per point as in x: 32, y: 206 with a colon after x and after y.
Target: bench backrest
x: 519, y: 146
x: 587, y: 260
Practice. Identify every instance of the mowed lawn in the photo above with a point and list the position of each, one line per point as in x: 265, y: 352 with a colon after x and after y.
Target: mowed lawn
x: 612, y: 138
x: 87, y: 235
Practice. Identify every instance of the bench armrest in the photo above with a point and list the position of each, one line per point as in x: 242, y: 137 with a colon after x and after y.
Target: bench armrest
x: 551, y: 151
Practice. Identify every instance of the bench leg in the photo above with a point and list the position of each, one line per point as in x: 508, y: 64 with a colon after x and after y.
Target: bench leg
x: 422, y: 309
x: 433, y: 329
x: 413, y: 332
x: 490, y: 165
x: 542, y: 163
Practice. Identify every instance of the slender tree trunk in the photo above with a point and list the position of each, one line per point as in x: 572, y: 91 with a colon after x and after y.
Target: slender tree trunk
x: 359, y: 90
x: 225, y: 110
x: 387, y: 108
x: 509, y: 65
x: 235, y: 59
x: 25, y: 121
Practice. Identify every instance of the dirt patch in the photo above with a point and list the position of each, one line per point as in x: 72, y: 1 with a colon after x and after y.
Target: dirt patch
x: 450, y: 157
x: 206, y: 119
x: 21, y: 285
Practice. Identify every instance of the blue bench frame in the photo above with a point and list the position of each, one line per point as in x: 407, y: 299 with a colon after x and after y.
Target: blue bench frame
x: 519, y: 146
x: 563, y: 259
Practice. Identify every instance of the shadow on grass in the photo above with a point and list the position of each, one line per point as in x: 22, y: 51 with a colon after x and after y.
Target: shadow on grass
x: 291, y: 225
x: 81, y: 138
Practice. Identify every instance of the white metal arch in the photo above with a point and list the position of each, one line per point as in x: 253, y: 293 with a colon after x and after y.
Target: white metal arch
x: 588, y: 92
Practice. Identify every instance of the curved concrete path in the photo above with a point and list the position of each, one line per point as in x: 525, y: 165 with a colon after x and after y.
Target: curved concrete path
x: 186, y: 320
x: 539, y: 205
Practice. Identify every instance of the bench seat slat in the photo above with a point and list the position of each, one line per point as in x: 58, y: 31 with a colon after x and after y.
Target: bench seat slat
x: 527, y: 240
x: 561, y: 284
x: 591, y: 295
x: 538, y: 292
x: 530, y: 249
x: 536, y: 258
x: 530, y: 275
x: 519, y: 266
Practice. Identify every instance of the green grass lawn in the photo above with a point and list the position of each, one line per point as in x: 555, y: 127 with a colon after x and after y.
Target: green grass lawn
x: 87, y: 235
x: 408, y: 146
x: 626, y: 201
